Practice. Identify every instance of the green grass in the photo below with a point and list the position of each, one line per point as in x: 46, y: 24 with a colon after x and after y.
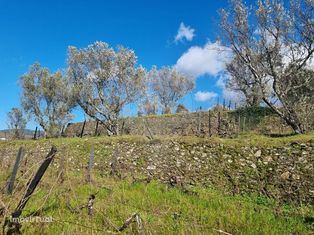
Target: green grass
x: 163, y: 209
x: 243, y: 139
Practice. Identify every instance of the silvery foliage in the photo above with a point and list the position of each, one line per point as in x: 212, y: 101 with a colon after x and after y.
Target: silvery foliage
x: 16, y: 122
x: 106, y: 80
x: 48, y: 97
x: 275, y: 46
x: 170, y: 86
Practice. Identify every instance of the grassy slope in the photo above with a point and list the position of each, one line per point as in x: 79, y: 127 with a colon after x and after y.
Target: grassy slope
x: 164, y: 210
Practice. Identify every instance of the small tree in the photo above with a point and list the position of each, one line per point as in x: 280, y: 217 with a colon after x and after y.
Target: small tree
x: 182, y: 109
x: 107, y: 80
x: 170, y: 86
x: 148, y: 106
x: 16, y: 122
x: 276, y: 45
x: 48, y: 98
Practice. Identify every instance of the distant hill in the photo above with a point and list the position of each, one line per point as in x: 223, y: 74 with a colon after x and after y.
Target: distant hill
x: 27, y: 132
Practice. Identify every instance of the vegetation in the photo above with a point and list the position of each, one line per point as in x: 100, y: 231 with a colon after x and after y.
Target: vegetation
x: 273, y: 48
x: 170, y: 86
x: 106, y: 81
x: 48, y: 98
x: 16, y: 122
x: 235, y: 185
x: 163, y: 209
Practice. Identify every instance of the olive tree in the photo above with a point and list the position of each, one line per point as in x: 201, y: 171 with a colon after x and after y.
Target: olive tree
x: 148, y: 105
x: 241, y: 80
x: 299, y: 90
x: 170, y: 86
x: 48, y: 97
x: 273, y: 45
x: 106, y: 80
x: 16, y: 122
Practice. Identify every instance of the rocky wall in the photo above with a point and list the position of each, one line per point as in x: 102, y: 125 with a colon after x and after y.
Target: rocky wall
x: 284, y: 173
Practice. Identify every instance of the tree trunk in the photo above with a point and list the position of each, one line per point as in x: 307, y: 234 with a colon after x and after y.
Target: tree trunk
x: 294, y: 123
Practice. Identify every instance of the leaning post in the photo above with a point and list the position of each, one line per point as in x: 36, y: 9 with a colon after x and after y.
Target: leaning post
x: 14, y: 171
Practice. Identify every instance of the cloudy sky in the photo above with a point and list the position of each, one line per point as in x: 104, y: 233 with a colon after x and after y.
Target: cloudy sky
x: 163, y: 33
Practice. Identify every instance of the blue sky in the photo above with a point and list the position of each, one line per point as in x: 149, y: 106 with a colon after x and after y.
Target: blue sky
x: 41, y: 31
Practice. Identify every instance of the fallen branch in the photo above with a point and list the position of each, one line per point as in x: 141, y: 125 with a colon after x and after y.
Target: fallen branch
x: 134, y: 218
x: 223, y: 232
x: 89, y: 205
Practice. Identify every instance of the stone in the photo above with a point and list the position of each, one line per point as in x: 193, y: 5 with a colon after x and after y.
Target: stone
x: 295, y: 177
x: 258, y: 153
x: 285, y: 175
x: 151, y: 168
x: 268, y: 159
x: 226, y: 156
x: 253, y: 166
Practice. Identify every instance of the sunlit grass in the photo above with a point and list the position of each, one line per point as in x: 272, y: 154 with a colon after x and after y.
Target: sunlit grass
x: 164, y: 209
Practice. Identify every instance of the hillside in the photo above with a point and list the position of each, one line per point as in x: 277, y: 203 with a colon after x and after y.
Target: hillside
x: 218, y: 121
x: 7, y: 133
x: 184, y: 185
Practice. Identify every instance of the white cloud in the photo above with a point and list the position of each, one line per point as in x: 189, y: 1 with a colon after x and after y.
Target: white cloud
x: 184, y: 32
x: 205, y: 95
x: 210, y: 59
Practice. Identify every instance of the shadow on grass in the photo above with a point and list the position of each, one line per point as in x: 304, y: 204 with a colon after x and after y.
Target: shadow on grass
x: 278, y: 135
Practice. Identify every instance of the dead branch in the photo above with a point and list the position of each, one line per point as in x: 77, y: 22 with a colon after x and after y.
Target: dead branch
x: 134, y: 218
x: 223, y: 232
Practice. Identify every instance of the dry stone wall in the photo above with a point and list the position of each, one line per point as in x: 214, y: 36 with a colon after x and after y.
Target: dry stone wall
x: 285, y: 172
x: 181, y: 124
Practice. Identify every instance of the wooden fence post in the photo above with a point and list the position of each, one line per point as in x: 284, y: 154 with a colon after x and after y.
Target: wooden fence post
x: 90, y: 166
x: 62, y: 166
x: 14, y: 171
x: 35, y: 134
x: 218, y: 126
x: 96, y: 128
x: 82, y: 131
x: 199, y: 123
x: 13, y: 224
x: 209, y: 123
x: 239, y: 122
x: 62, y: 131
x: 235, y: 124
